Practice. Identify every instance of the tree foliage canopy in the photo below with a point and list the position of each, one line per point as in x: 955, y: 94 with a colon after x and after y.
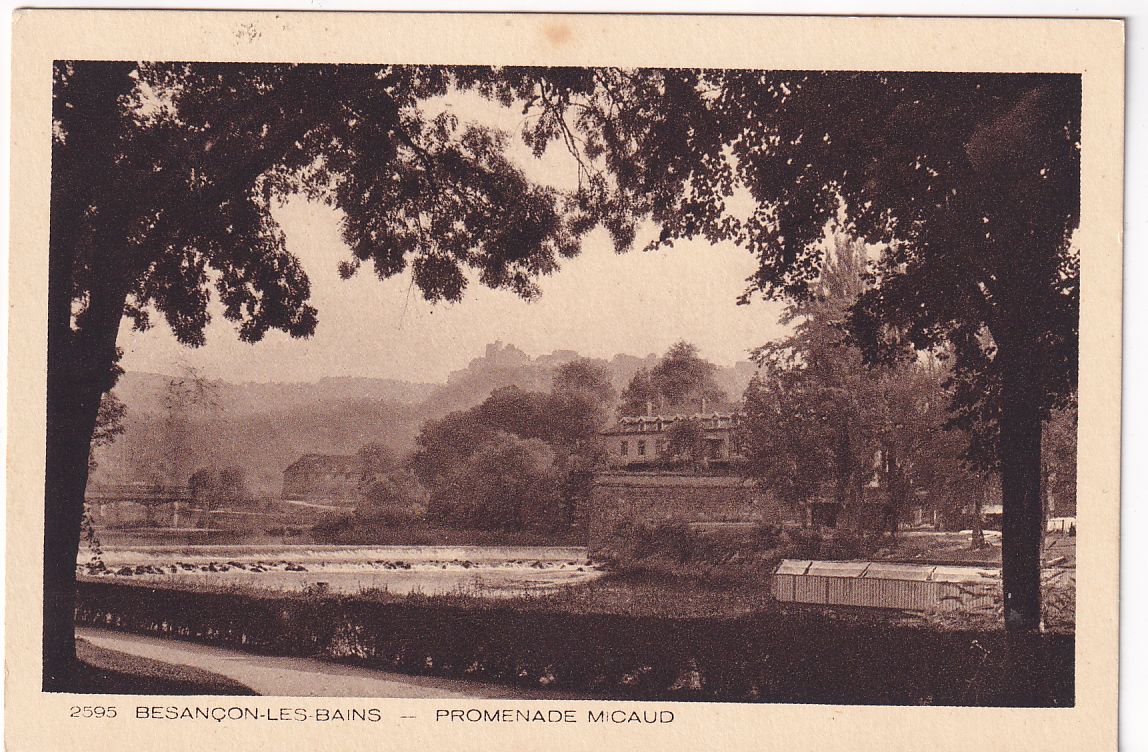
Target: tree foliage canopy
x: 822, y: 425
x: 166, y: 175
x: 686, y: 439
x: 970, y: 182
x: 509, y: 483
x: 583, y: 376
x: 680, y: 379
x: 376, y: 459
x: 564, y: 422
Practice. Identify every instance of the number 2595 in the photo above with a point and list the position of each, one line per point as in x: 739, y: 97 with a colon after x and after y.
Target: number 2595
x: 92, y: 711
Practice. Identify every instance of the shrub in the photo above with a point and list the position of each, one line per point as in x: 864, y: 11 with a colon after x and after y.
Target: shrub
x: 397, y: 495
x: 806, y: 543
x: 674, y: 541
x: 509, y: 483
x: 632, y: 547
x: 1058, y: 606
x: 775, y: 656
x: 846, y: 545
x: 769, y: 535
x: 802, y: 543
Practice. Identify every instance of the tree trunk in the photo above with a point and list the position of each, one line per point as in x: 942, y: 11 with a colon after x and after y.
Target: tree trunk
x: 73, y: 403
x: 81, y: 367
x: 978, y: 541
x: 844, y: 480
x: 896, y: 484
x: 1020, y: 439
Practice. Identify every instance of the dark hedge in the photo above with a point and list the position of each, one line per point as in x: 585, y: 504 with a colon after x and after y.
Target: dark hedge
x: 768, y: 657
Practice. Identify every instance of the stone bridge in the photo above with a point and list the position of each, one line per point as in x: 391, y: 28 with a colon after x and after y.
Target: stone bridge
x: 139, y: 503
x: 139, y: 493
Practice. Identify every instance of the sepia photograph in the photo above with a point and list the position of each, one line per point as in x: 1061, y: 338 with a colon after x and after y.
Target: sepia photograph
x: 551, y: 382
x: 884, y: 447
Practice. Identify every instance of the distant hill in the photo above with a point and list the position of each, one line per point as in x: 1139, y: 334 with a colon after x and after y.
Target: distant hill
x: 505, y: 365
x: 264, y: 427
x: 145, y: 391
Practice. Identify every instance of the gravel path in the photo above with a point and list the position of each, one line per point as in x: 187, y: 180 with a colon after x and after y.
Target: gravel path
x: 300, y: 677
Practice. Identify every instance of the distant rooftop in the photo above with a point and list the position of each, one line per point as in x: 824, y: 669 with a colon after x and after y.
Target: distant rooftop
x: 326, y: 463
x: 655, y: 423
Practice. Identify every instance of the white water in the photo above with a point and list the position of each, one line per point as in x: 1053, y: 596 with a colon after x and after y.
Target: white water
x: 495, y: 571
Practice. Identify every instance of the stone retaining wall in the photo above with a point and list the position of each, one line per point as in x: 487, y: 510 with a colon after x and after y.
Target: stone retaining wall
x: 664, y: 498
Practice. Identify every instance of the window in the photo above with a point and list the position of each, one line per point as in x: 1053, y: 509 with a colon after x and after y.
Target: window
x: 641, y: 448
x: 625, y: 448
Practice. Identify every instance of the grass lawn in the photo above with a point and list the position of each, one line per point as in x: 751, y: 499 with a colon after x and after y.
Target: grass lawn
x: 111, y: 672
x: 649, y: 594
x: 632, y: 594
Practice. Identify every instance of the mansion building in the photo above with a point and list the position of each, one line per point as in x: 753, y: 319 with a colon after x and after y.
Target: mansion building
x: 648, y: 483
x: 643, y: 442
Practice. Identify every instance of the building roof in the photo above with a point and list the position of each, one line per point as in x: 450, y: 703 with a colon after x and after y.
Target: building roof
x: 655, y: 423
x: 325, y: 463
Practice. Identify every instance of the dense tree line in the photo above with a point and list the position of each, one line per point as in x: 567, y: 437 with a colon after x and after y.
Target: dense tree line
x: 520, y: 460
x: 681, y: 381
x: 822, y: 425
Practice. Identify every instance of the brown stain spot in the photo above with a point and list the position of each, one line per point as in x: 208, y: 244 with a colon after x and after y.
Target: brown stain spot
x: 248, y: 32
x: 557, y: 33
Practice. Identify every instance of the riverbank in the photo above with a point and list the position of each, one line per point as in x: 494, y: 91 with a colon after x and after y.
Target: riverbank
x: 342, y: 531
x: 349, y: 531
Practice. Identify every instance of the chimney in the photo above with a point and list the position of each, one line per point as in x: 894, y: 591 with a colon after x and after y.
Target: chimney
x: 703, y: 405
x: 649, y: 408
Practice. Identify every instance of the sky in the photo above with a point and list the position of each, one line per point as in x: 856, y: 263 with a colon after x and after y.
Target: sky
x: 599, y: 303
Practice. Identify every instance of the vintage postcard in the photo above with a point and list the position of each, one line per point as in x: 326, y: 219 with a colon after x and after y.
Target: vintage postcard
x: 499, y: 381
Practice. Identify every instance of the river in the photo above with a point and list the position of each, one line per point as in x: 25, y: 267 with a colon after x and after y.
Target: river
x: 488, y: 571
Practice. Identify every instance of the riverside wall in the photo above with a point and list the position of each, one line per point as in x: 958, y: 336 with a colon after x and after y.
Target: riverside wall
x: 667, y: 498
